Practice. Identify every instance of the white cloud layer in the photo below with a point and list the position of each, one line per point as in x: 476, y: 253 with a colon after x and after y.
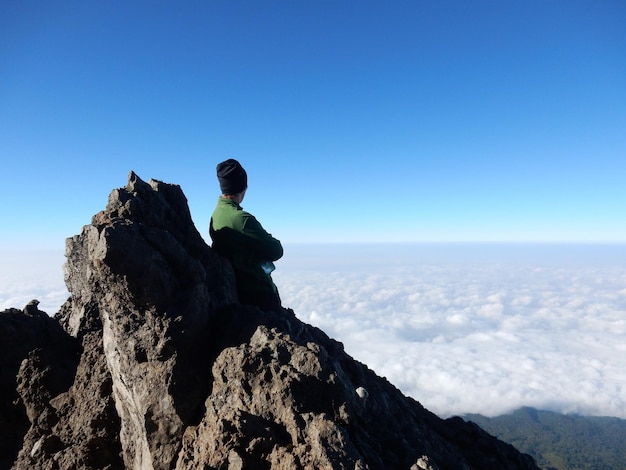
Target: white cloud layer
x: 27, y: 275
x: 475, y: 328
x: 460, y: 328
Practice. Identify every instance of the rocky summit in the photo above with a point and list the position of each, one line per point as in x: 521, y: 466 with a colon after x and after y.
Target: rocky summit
x: 153, y: 364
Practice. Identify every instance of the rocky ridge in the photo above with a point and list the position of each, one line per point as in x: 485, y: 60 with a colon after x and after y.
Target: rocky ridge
x: 153, y: 364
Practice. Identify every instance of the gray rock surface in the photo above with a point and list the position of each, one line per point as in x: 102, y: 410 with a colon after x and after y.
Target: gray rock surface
x: 152, y: 364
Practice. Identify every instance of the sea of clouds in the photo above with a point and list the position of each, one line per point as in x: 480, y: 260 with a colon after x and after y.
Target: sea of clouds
x: 27, y: 275
x: 475, y: 328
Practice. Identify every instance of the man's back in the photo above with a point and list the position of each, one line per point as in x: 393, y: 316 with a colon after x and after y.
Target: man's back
x: 238, y: 236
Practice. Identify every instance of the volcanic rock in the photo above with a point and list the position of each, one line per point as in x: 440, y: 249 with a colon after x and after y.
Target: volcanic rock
x: 153, y: 364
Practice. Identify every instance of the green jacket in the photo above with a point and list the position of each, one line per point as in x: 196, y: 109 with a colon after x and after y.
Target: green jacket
x: 238, y: 236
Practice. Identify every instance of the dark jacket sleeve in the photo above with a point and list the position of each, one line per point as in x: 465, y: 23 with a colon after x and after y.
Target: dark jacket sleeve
x: 267, y: 247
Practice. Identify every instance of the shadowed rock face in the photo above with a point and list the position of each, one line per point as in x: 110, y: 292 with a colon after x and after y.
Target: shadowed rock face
x: 152, y: 364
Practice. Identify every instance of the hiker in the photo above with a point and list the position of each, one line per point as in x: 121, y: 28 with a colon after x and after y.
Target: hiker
x: 239, y: 237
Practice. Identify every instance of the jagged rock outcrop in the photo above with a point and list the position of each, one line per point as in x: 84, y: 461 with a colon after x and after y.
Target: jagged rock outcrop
x: 152, y: 364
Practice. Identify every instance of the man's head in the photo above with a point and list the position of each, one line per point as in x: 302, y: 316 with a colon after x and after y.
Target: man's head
x: 232, y: 177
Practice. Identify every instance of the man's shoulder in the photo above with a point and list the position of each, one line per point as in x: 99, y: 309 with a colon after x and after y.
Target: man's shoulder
x: 229, y: 213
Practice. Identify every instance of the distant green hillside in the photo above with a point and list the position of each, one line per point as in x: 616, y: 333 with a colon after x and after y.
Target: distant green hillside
x: 561, y: 442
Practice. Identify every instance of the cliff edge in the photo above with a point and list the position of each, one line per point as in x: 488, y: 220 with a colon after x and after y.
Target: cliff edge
x: 153, y: 364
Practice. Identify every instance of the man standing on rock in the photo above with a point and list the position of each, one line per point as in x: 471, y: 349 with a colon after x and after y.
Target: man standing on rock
x: 238, y: 236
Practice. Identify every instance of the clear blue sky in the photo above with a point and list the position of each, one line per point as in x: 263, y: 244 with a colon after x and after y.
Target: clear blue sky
x: 362, y: 120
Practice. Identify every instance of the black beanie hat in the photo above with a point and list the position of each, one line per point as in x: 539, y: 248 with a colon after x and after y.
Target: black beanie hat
x: 232, y: 177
